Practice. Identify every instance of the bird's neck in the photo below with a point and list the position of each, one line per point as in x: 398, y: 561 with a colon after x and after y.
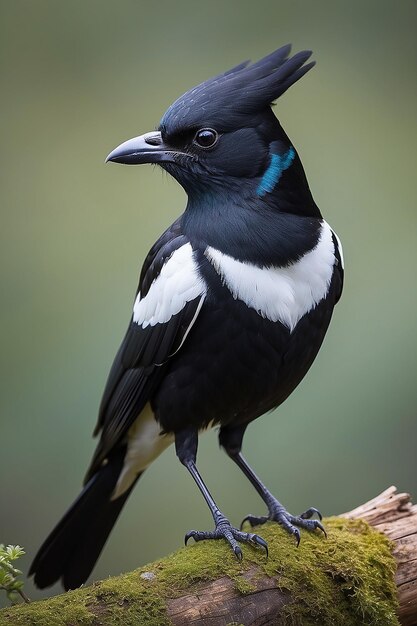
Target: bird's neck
x: 283, y: 187
x: 246, y: 227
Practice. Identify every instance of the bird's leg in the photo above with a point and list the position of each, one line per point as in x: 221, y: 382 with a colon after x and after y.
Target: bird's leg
x: 231, y: 440
x: 186, y: 442
x: 276, y: 510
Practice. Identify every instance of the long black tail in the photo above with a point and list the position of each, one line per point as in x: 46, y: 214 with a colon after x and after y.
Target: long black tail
x: 73, y: 547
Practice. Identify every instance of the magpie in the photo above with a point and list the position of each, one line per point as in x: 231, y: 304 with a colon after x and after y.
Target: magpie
x: 233, y: 303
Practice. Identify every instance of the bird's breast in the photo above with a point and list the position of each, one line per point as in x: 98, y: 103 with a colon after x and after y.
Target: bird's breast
x: 283, y: 294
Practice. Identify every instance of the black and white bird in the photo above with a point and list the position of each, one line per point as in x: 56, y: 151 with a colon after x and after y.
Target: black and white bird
x: 233, y: 303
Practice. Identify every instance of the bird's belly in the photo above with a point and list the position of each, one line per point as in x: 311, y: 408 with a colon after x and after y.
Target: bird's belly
x: 236, y: 365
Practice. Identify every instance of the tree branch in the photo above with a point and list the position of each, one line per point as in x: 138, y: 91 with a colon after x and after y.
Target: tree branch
x: 348, y: 579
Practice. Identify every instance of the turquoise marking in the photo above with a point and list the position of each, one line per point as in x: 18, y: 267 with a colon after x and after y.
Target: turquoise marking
x: 279, y: 163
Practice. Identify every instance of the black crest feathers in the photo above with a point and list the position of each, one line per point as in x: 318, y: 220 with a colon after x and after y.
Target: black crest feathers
x: 243, y: 90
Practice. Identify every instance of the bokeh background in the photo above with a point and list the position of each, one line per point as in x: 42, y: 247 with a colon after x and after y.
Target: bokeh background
x: 79, y: 77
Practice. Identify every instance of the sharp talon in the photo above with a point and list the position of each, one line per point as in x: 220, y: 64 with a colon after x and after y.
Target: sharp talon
x: 254, y: 520
x: 238, y: 553
x: 297, y: 536
x: 310, y: 512
x: 188, y: 536
x: 261, y: 542
x: 322, y: 528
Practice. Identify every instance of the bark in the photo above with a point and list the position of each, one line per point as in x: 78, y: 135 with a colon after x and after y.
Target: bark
x: 182, y: 590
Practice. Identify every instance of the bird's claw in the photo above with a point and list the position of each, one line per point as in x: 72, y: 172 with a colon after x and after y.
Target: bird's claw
x: 254, y: 520
x: 310, y: 512
x: 289, y: 522
x: 224, y: 530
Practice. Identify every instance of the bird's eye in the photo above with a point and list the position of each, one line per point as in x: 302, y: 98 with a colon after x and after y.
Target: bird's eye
x: 206, y: 138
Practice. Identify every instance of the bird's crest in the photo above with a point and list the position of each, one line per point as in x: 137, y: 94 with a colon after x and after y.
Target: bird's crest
x: 241, y: 91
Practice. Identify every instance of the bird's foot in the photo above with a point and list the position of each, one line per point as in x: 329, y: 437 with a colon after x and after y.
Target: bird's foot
x: 224, y: 530
x: 291, y: 523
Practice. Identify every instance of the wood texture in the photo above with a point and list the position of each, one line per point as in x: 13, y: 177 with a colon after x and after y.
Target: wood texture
x: 218, y: 603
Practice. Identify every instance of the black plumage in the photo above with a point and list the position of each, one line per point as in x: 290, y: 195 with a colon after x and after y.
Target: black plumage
x: 233, y: 304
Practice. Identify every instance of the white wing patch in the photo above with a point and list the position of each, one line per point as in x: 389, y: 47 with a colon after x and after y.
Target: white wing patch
x: 282, y: 294
x: 339, y: 245
x: 144, y: 445
x: 179, y: 282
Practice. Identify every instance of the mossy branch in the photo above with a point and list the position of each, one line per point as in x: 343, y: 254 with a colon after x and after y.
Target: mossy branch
x: 357, y: 576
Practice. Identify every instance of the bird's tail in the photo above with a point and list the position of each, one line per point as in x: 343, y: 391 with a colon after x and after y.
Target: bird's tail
x: 73, y: 547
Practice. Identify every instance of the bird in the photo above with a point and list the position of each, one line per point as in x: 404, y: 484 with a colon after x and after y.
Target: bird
x: 233, y: 303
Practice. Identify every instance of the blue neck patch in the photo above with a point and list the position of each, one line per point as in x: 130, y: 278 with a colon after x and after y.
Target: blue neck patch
x: 279, y: 163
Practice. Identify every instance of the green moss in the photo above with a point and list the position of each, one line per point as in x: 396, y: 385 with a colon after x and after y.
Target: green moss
x: 64, y: 610
x: 243, y: 585
x: 347, y: 579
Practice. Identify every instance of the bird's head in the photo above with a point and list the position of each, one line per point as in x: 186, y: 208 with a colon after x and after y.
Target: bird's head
x: 222, y: 136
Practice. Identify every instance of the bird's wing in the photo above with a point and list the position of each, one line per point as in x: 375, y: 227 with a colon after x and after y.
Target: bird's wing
x: 340, y: 267
x: 170, y: 295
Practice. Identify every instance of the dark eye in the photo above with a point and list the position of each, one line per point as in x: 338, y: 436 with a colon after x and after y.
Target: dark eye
x: 206, y: 138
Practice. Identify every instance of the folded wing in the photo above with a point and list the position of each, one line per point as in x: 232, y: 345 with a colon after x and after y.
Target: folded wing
x: 170, y: 295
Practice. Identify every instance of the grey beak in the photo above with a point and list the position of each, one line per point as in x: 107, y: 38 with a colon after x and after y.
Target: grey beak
x: 147, y: 148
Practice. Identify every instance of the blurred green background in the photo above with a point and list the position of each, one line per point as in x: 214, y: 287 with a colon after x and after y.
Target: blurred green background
x: 80, y: 77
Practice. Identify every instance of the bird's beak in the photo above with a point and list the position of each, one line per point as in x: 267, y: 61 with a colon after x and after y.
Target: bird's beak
x: 147, y: 148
